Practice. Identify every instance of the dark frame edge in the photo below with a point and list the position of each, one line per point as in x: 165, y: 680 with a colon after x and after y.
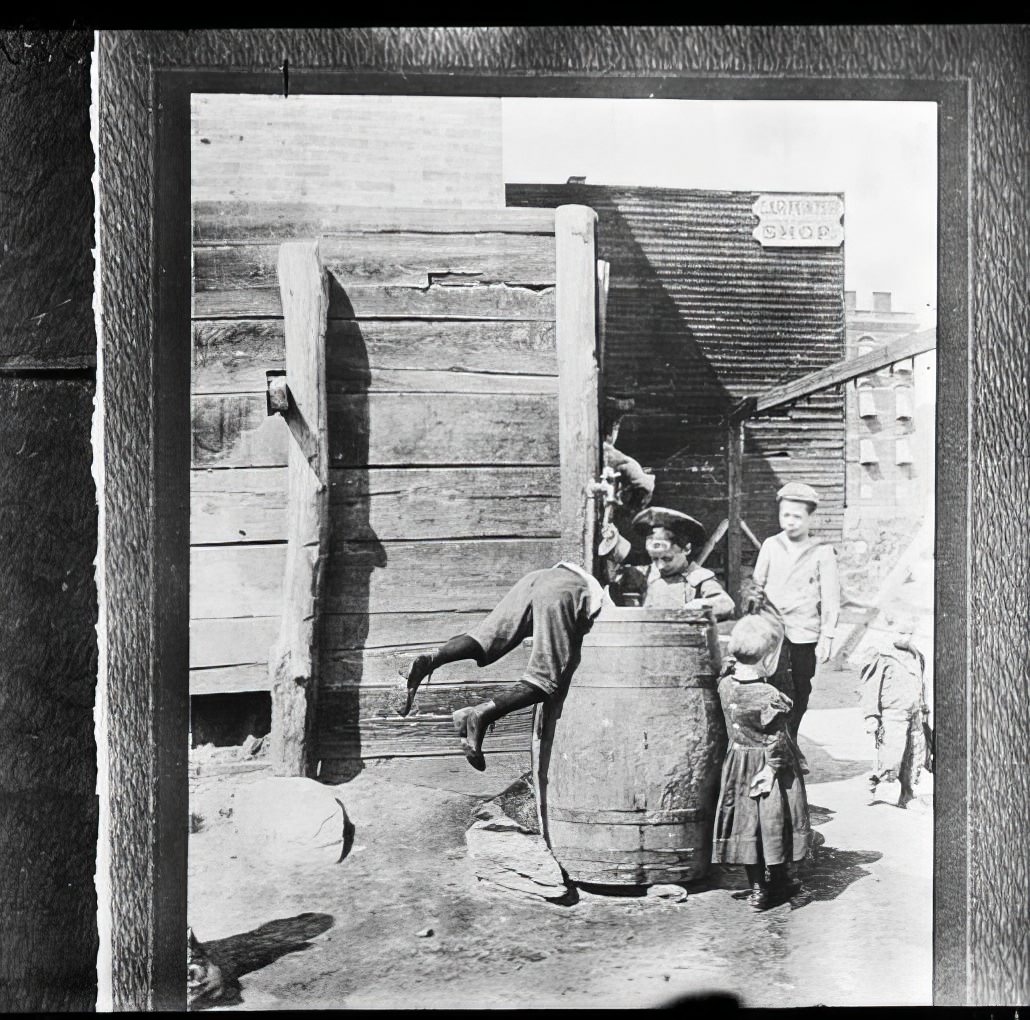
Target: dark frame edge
x: 171, y: 517
x: 951, y: 978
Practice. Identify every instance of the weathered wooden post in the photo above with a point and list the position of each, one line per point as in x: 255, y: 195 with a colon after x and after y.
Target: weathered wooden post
x: 579, y: 427
x: 294, y: 659
x: 579, y: 422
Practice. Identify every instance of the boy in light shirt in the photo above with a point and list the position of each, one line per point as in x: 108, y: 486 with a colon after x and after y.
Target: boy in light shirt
x: 797, y: 574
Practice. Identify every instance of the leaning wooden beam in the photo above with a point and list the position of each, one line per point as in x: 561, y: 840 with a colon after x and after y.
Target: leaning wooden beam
x: 293, y: 661
x: 751, y: 536
x: 579, y: 438
x: 735, y: 493
x: 850, y: 368
x: 713, y: 540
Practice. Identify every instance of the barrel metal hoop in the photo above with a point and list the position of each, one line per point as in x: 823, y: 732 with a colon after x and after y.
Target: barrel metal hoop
x: 632, y: 860
x: 581, y: 816
x: 697, y: 681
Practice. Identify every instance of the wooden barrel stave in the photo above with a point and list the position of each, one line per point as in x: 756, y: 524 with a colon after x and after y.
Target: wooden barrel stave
x: 629, y: 775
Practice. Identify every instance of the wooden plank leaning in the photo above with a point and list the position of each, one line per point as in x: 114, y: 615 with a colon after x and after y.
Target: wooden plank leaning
x: 294, y: 658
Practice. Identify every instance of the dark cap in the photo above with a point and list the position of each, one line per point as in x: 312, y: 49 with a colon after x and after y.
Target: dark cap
x: 684, y: 528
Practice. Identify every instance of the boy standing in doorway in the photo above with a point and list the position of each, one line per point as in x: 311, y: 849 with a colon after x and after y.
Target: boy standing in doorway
x: 798, y: 575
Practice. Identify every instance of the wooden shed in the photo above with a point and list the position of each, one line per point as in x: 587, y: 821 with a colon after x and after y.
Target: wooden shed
x: 700, y: 315
x: 455, y: 434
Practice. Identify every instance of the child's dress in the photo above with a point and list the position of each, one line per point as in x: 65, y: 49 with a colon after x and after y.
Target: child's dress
x: 773, y: 829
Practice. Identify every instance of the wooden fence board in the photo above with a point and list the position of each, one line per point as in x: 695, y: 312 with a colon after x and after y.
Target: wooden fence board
x: 383, y: 429
x: 247, y: 222
x: 453, y: 576
x: 439, y: 300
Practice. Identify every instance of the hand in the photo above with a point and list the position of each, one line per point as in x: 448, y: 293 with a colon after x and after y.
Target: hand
x: 754, y: 600
x: 872, y: 724
x: 761, y: 785
x: 609, y: 533
x: 696, y: 604
x: 823, y: 648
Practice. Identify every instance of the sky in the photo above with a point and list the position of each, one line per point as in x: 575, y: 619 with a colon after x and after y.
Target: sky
x: 881, y: 155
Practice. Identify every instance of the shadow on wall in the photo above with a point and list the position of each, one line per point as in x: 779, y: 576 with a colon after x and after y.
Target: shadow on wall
x: 652, y: 355
x: 354, y: 549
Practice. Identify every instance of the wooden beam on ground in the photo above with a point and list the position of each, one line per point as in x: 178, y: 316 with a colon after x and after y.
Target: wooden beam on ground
x: 734, y: 459
x: 293, y: 661
x: 848, y: 369
x: 579, y: 438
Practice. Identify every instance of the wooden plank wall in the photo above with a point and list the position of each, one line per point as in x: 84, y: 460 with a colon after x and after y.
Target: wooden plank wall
x: 444, y: 478
x: 699, y: 315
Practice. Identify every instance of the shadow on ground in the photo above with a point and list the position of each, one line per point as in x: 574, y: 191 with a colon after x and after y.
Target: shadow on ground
x: 831, y: 870
x: 824, y: 768
x: 249, y: 951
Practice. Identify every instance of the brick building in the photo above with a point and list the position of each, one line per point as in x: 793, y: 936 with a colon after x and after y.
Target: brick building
x: 889, y: 419
x: 413, y: 151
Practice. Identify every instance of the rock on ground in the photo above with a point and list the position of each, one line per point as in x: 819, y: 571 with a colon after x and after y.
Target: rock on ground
x: 506, y: 854
x: 293, y: 817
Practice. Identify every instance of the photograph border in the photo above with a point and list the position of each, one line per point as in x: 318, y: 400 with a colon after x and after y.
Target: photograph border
x: 145, y: 81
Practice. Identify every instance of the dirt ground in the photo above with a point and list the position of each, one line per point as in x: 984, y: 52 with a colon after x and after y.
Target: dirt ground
x: 300, y: 932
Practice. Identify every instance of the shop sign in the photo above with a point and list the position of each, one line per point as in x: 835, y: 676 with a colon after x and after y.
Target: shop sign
x: 799, y: 221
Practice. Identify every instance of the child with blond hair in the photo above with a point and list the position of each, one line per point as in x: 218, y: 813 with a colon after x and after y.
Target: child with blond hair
x: 762, y: 816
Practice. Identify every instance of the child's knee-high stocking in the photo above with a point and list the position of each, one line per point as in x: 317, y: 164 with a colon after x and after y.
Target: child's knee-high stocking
x: 759, y: 898
x: 422, y: 666
x: 782, y: 882
x: 472, y: 722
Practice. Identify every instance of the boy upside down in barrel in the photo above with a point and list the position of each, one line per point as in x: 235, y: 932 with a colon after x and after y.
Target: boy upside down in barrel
x: 557, y: 607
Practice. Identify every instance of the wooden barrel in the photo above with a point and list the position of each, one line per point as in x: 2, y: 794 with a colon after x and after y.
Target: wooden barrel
x: 627, y: 767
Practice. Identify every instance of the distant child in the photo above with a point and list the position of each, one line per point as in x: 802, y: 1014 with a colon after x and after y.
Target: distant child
x: 762, y: 817
x: 798, y: 575
x: 893, y: 699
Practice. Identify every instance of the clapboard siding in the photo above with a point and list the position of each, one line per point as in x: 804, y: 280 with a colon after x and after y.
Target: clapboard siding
x: 384, y: 429
x: 272, y: 222
x: 377, y: 676
x: 341, y: 740
x: 379, y: 667
x: 381, y: 630
x: 438, y: 300
x: 699, y: 315
x: 232, y: 355
x: 441, y: 374
x: 217, y: 642
x: 249, y: 505
x: 244, y: 641
x: 395, y: 260
x: 245, y: 505
x: 458, y: 576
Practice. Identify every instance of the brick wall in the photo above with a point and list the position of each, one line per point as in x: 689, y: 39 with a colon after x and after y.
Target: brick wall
x: 410, y: 151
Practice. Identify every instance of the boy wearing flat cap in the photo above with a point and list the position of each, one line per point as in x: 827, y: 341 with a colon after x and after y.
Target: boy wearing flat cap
x: 673, y: 580
x: 797, y: 574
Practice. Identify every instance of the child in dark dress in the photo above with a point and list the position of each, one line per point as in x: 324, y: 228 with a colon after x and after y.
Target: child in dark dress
x: 762, y: 818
